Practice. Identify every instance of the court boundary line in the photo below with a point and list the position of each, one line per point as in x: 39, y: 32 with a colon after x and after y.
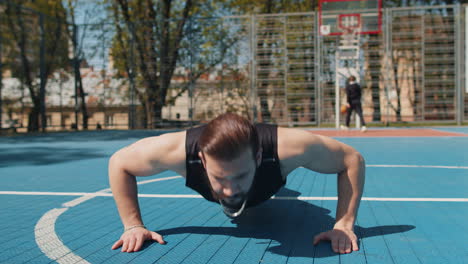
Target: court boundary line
x: 418, y: 166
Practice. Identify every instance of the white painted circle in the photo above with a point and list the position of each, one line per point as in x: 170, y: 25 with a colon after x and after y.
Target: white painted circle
x: 46, y: 237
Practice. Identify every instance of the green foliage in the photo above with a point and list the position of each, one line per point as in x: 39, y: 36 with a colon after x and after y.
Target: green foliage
x: 21, y: 34
x: 243, y: 7
x: 34, y: 46
x: 153, y: 38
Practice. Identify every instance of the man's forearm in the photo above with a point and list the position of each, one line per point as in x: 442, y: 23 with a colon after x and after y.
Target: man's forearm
x: 350, y: 188
x: 124, y: 190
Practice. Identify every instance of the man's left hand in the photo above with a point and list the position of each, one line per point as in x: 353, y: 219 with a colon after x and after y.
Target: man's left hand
x: 343, y: 241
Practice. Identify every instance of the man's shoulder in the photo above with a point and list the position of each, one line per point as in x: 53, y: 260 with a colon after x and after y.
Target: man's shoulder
x: 173, y: 138
x: 152, y: 155
x: 294, y: 137
x: 295, y: 141
x: 287, y: 131
x: 164, y: 143
x: 292, y: 145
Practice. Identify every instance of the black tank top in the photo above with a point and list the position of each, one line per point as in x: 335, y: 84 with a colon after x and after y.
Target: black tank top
x: 267, y: 180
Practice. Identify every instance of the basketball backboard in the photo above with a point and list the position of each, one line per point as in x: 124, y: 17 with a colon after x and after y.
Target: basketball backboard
x: 339, y: 16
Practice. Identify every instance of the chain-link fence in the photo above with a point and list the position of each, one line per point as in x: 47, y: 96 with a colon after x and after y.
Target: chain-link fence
x: 424, y: 45
x: 271, y: 68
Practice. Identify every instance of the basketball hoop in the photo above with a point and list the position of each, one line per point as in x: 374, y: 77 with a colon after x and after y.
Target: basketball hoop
x: 349, y: 23
x: 344, y: 16
x: 349, y: 44
x: 350, y: 27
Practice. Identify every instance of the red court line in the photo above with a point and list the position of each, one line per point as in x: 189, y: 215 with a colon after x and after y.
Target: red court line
x: 388, y: 133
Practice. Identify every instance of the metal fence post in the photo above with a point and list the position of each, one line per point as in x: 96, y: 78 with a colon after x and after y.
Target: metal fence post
x: 458, y: 67
x: 104, y: 71
x: 42, y: 74
x: 286, y: 70
x: 191, y: 84
x: 318, y: 70
x: 423, y: 69
x: 1, y: 81
x: 464, y: 44
x: 132, y: 110
x: 337, y: 92
x: 253, y: 70
x: 388, y: 18
x: 76, y: 65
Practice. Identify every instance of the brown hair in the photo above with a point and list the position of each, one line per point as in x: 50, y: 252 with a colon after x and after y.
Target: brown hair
x: 352, y: 78
x: 227, y: 136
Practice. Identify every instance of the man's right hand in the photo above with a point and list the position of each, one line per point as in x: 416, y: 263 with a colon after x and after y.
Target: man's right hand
x: 132, y: 240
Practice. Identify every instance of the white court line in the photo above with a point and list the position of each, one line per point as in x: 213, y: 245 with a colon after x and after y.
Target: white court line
x: 57, y: 194
x: 418, y: 166
x: 382, y: 199
x: 196, y: 196
x: 48, y: 240
x: 44, y: 231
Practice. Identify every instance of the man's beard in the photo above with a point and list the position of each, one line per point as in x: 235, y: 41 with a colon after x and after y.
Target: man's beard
x: 236, y: 200
x: 235, y: 205
x: 233, y: 210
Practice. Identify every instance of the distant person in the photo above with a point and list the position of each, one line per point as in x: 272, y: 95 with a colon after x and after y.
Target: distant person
x: 353, y: 94
x: 237, y: 164
x: 98, y: 126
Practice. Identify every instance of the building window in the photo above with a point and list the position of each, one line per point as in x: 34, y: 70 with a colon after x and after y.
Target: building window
x: 49, y: 120
x: 109, y: 120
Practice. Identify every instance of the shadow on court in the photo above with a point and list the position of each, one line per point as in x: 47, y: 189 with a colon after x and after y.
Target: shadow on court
x: 82, y: 136
x: 10, y: 157
x: 45, y: 153
x: 290, y: 225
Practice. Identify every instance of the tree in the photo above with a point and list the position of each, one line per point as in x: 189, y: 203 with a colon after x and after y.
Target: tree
x: 78, y: 58
x: 158, y: 37
x: 35, y: 46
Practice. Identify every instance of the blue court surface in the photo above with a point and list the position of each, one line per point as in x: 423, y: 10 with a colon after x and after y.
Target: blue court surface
x: 56, y: 206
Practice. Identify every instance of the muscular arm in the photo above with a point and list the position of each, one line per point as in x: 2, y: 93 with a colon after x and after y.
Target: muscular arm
x: 331, y: 156
x: 146, y: 157
x: 326, y: 155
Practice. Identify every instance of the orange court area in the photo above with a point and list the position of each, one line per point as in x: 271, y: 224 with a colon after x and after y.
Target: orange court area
x: 420, y: 132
